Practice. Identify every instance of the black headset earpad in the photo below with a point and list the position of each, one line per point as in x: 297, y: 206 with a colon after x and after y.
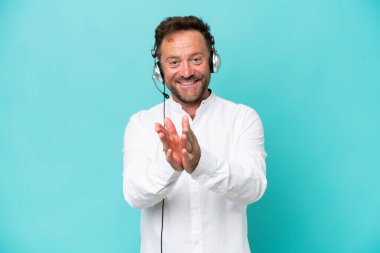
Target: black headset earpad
x: 210, y: 62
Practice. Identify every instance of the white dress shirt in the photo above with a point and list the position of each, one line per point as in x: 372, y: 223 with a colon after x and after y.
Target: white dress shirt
x: 204, y: 211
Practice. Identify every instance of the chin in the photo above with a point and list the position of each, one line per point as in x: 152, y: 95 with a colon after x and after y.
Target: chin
x: 191, y: 99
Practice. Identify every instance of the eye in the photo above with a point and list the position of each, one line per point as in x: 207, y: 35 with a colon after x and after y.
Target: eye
x: 197, y: 60
x: 173, y: 63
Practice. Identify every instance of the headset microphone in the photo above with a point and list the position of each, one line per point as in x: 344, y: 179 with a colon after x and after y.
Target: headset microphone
x: 157, y: 74
x: 154, y: 77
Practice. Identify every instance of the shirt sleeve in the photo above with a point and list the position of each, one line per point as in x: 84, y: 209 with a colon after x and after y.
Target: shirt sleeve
x: 147, y: 178
x: 242, y: 179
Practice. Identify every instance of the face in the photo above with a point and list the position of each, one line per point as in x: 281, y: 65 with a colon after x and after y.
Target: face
x: 185, y: 63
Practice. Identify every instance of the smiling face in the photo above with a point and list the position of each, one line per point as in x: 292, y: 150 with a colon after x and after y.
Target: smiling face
x: 185, y: 63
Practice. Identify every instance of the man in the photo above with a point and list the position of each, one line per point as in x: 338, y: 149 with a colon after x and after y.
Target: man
x: 194, y: 175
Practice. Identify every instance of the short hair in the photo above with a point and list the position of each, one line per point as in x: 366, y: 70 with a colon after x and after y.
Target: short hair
x: 171, y: 25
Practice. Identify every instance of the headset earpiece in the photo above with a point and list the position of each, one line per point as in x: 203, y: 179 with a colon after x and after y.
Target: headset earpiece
x: 214, y: 61
x: 157, y: 72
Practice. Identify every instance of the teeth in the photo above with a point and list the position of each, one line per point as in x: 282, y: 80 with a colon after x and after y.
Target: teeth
x: 187, y: 83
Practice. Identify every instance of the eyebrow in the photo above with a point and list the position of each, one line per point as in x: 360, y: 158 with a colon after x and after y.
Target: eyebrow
x: 177, y: 57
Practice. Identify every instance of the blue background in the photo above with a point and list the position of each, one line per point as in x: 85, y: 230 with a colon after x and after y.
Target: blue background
x: 73, y: 72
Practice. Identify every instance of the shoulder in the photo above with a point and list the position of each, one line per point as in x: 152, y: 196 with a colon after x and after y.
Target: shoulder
x: 232, y: 108
x: 145, y: 119
x: 154, y: 113
x: 139, y: 131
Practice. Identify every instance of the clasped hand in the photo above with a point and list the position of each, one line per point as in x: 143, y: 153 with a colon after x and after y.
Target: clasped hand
x: 182, y: 152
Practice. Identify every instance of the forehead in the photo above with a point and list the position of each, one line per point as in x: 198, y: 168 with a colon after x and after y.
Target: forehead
x: 183, y: 42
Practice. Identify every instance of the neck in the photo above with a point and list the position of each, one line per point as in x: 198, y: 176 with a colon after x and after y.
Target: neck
x: 191, y: 107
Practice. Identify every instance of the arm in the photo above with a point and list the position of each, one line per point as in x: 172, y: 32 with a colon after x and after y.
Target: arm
x: 146, y: 179
x: 242, y: 178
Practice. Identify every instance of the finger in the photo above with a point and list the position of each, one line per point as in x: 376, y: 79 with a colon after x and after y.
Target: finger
x: 190, y: 135
x: 188, y: 161
x: 185, y: 143
x: 186, y: 126
x: 187, y: 129
x: 164, y: 141
x: 163, y: 135
x: 159, y: 128
x: 187, y: 156
x: 170, y: 126
x: 158, y: 125
x: 171, y: 160
x: 169, y: 155
x: 185, y: 122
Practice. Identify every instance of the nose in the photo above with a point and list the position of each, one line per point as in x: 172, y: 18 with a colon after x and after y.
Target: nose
x: 186, y: 70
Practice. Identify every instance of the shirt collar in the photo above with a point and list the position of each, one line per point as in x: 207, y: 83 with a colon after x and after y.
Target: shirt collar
x: 204, y: 104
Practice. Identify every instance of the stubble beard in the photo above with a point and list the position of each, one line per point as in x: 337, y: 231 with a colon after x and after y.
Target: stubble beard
x: 191, y: 99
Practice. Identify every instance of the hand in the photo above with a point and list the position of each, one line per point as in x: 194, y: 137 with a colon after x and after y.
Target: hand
x: 171, y: 143
x: 182, y: 153
x: 191, y: 150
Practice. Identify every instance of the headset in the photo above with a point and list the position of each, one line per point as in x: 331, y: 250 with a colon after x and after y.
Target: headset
x: 158, y: 75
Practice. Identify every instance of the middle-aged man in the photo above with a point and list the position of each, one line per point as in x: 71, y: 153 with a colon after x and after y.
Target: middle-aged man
x: 194, y: 174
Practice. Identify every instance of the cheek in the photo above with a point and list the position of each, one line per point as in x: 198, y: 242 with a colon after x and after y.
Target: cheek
x: 204, y: 70
x: 169, y: 74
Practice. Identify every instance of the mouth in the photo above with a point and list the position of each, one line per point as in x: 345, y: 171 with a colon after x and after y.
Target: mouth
x: 188, y: 82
